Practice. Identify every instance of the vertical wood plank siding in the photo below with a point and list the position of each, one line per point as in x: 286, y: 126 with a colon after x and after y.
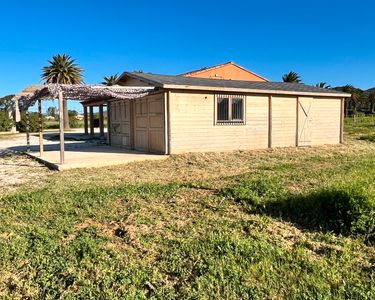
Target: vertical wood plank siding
x: 192, y: 124
x: 271, y: 121
x: 326, y: 121
x: 284, y: 120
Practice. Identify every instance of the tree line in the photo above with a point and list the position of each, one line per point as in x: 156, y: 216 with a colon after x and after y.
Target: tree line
x: 361, y: 101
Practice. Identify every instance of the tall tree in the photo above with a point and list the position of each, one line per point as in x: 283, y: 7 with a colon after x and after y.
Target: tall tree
x: 323, y: 85
x: 355, y: 101
x: 51, y: 111
x: 371, y: 101
x: 110, y: 80
x: 62, y: 69
x: 291, y: 77
x: 6, y: 103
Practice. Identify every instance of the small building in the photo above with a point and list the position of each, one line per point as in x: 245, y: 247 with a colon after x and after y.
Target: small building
x: 190, y: 114
x: 229, y: 70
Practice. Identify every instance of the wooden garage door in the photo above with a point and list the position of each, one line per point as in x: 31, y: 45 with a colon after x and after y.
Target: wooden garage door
x: 120, y: 123
x: 304, y: 121
x: 149, y: 124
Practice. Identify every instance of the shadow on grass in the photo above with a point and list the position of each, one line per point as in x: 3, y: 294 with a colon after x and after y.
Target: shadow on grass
x: 368, y: 138
x: 347, y: 210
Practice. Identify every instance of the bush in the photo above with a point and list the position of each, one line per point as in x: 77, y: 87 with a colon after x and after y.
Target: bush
x: 33, y: 122
x: 344, y: 209
x: 349, y: 210
x: 5, y: 122
x: 73, y: 122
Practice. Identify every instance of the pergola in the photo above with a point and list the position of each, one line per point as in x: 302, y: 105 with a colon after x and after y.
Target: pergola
x: 89, y: 95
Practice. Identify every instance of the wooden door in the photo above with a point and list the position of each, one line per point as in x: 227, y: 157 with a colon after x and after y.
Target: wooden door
x: 141, y: 125
x: 149, y: 124
x: 120, y: 123
x: 304, y: 121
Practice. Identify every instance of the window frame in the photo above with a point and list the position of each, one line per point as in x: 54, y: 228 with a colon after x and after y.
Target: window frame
x: 230, y: 120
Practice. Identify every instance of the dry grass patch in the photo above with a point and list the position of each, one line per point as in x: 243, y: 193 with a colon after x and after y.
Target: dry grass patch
x: 19, y: 171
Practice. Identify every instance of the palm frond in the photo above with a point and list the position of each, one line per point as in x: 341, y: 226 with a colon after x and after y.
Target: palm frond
x: 62, y: 69
x: 110, y: 80
x: 291, y: 77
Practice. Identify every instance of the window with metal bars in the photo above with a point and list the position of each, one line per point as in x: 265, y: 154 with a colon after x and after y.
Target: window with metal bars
x: 230, y: 109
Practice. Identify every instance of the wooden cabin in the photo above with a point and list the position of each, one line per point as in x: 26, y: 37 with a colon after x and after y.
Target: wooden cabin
x: 188, y: 114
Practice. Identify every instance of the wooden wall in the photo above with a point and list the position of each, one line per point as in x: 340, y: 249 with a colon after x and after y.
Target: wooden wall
x: 326, y: 121
x: 192, y: 123
x: 284, y: 118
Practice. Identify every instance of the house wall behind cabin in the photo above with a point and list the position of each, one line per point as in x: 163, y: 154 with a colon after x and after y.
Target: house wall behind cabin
x: 192, y: 123
x: 228, y: 71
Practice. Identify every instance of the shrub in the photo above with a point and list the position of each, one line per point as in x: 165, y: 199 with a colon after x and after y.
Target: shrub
x: 73, y: 122
x: 344, y: 209
x: 5, y: 122
x: 33, y: 122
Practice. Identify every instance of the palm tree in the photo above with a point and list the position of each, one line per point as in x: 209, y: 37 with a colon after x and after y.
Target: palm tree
x: 291, y: 77
x: 62, y: 69
x: 355, y: 101
x: 110, y: 80
x: 323, y: 85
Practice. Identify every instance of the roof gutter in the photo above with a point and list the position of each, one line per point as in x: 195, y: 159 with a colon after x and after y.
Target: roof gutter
x: 253, y: 91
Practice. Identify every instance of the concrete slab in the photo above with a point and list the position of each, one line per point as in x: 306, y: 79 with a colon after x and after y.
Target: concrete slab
x: 92, y: 156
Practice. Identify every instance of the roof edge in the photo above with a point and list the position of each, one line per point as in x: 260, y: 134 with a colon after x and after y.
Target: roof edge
x: 141, y: 78
x: 254, y: 91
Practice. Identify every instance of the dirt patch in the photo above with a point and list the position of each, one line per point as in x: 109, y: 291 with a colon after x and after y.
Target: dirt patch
x: 17, y: 170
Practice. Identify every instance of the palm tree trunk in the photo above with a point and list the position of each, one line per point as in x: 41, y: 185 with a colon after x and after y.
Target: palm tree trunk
x: 66, y: 115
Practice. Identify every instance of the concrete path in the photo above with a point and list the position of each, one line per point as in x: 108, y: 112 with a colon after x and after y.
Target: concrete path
x: 80, y: 151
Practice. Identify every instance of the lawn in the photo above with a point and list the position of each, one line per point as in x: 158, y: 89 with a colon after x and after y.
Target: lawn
x: 271, y: 224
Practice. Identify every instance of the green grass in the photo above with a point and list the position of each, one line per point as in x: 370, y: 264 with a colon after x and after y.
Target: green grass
x: 362, y: 128
x: 281, y: 224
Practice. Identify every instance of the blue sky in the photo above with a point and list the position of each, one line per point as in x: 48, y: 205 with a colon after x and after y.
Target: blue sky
x: 330, y: 41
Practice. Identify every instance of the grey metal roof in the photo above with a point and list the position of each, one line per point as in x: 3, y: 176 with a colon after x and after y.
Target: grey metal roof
x: 182, y: 82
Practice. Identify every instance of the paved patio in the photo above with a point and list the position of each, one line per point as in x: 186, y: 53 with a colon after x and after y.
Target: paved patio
x: 92, y: 156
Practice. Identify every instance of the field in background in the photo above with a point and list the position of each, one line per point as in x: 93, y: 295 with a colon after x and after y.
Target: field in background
x: 275, y: 224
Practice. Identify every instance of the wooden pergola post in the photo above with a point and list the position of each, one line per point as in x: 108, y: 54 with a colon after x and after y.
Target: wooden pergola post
x: 41, y: 147
x: 91, y: 120
x: 108, y: 123
x: 85, y: 119
x: 101, y: 120
x: 61, y: 122
x: 27, y: 130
